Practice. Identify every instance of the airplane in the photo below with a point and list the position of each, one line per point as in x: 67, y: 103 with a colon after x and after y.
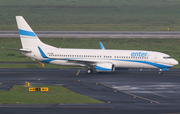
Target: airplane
x: 101, y: 60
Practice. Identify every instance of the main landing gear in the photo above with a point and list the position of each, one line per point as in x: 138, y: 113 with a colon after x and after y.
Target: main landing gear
x: 160, y: 72
x: 90, y: 71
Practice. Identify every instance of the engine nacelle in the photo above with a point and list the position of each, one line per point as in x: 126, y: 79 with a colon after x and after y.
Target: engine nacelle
x: 105, y: 67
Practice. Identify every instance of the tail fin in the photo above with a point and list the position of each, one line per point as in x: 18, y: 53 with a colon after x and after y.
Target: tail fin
x: 28, y: 37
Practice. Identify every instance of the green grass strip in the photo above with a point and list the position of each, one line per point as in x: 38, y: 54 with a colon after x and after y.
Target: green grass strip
x: 92, y: 15
x: 56, y: 94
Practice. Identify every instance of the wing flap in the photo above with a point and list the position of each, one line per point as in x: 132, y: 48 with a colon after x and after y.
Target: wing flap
x: 82, y: 62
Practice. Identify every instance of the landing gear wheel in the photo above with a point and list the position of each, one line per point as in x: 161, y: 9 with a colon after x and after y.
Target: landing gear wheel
x: 89, y: 71
x: 160, y: 72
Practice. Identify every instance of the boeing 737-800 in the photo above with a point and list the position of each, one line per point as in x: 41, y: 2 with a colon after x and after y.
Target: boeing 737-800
x: 101, y: 60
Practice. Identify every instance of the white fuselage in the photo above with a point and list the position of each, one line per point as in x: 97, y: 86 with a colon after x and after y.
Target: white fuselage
x: 120, y: 58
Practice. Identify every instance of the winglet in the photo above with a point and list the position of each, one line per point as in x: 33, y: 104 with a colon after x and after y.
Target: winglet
x: 101, y: 46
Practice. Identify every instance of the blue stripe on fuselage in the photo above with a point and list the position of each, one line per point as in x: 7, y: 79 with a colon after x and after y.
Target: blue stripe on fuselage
x: 48, y: 60
x: 145, y: 62
x: 136, y: 61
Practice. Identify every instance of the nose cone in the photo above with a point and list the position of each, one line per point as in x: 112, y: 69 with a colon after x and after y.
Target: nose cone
x: 174, y: 62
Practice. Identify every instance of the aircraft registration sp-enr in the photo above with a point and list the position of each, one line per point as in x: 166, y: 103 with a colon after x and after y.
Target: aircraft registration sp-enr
x: 102, y: 60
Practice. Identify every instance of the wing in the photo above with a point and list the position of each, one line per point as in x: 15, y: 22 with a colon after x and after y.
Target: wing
x: 81, y: 62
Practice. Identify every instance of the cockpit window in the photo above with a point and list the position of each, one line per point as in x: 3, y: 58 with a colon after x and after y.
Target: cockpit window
x: 167, y: 57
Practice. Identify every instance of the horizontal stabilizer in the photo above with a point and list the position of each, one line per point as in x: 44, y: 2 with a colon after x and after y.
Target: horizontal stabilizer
x: 21, y: 50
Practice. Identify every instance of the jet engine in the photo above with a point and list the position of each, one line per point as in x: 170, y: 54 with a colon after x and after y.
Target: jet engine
x: 105, y: 67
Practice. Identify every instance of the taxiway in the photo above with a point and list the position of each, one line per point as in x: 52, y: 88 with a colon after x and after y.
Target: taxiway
x: 98, y: 34
x: 131, y: 91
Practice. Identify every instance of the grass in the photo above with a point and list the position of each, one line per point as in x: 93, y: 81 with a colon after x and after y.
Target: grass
x: 168, y: 46
x: 85, y: 15
x: 56, y: 94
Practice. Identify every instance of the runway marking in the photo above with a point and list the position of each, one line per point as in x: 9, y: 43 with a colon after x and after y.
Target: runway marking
x: 132, y: 94
x: 77, y: 73
x: 158, y: 94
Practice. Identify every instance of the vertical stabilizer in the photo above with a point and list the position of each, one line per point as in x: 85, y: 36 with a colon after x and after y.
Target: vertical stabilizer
x: 28, y: 38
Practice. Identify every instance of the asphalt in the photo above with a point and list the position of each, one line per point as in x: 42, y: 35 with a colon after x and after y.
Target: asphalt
x: 98, y: 34
x: 125, y: 91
